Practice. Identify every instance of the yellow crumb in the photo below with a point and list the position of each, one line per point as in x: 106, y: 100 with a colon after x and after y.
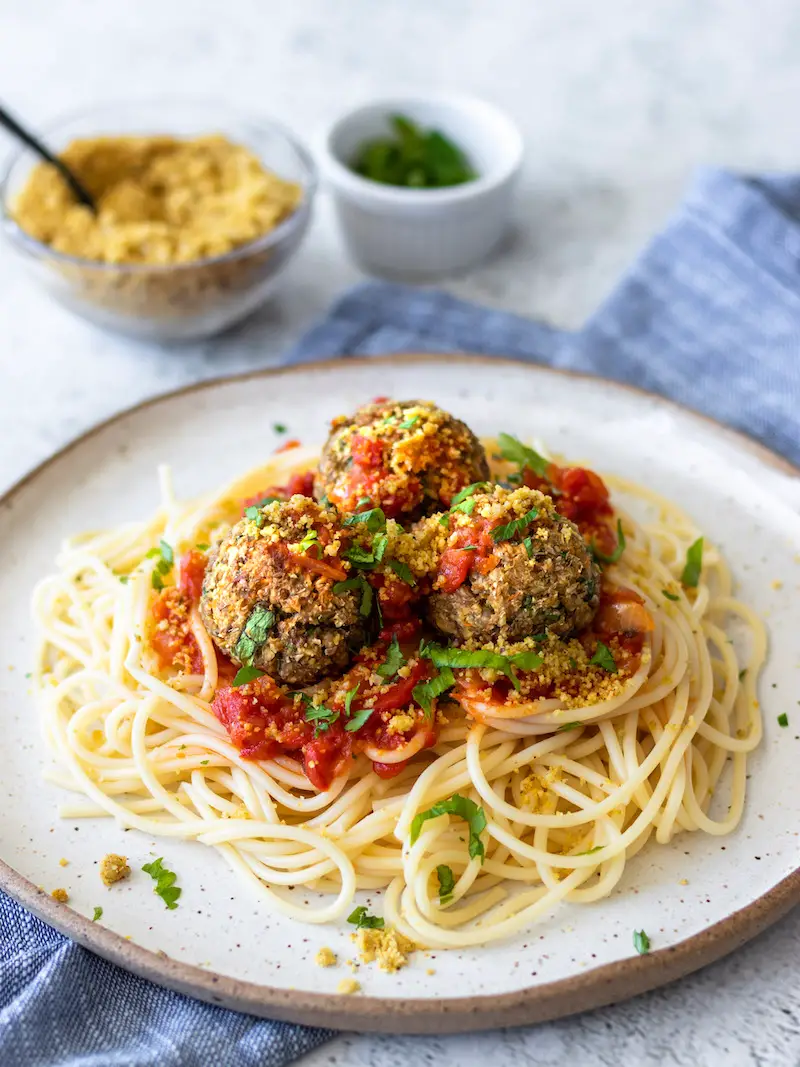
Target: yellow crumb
x: 777, y: 584
x: 61, y: 895
x: 348, y: 986
x: 63, y: 863
x: 430, y: 970
x: 683, y: 881
x: 113, y: 868
x: 389, y: 947
x: 326, y: 957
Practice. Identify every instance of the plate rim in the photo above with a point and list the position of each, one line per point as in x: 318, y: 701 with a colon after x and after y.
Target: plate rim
x: 596, y: 987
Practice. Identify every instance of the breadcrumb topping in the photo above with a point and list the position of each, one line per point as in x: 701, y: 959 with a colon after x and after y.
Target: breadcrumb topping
x: 348, y: 986
x: 326, y: 957
x: 61, y: 895
x: 388, y: 946
x: 113, y: 868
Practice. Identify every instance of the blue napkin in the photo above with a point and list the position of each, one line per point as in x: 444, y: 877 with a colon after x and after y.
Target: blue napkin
x: 709, y: 316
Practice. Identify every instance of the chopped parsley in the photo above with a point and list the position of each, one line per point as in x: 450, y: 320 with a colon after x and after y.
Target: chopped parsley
x: 694, y: 564
x: 358, y: 720
x: 254, y: 511
x: 641, y: 942
x: 528, y: 542
x: 247, y: 674
x: 515, y: 452
x: 591, y: 851
x: 466, y: 492
x: 670, y: 596
x: 322, y: 717
x: 201, y: 546
x: 255, y: 633
x: 278, y: 427
x: 374, y: 519
x: 203, y: 762
x: 166, y: 559
x: 516, y: 526
x: 742, y: 673
x: 165, y: 882
x: 603, y: 658
x: 124, y: 578
x: 98, y: 914
x: 446, y: 883
x: 568, y: 726
x: 466, y: 506
x: 362, y: 920
x: 394, y: 660
x: 479, y: 658
x: 310, y: 539
x: 359, y: 582
x: 409, y: 423
x: 463, y: 807
x: 601, y: 557
x: 426, y: 692
x: 360, y: 557
x: 403, y: 571
x: 783, y: 719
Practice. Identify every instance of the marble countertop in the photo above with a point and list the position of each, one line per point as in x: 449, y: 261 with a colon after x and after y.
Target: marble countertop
x: 618, y: 102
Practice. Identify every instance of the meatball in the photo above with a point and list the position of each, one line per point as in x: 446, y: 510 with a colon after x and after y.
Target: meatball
x: 268, y: 597
x: 407, y: 457
x: 508, y: 567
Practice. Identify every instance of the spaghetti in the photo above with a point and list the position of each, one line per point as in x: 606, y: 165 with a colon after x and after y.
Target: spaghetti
x: 557, y: 799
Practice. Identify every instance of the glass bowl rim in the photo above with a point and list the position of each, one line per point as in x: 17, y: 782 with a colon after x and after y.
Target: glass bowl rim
x: 19, y: 237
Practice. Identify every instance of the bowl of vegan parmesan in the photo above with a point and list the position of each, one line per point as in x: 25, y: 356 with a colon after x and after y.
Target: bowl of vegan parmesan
x: 200, y: 208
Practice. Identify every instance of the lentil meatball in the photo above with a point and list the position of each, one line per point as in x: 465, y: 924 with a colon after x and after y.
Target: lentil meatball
x: 408, y: 457
x: 268, y: 597
x: 510, y: 568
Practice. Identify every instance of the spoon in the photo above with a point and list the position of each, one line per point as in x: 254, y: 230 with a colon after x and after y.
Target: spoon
x: 34, y: 143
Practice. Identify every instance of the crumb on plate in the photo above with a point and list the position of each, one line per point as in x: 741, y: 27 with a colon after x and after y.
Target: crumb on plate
x: 60, y: 895
x: 347, y: 986
x: 114, y: 868
x: 326, y: 957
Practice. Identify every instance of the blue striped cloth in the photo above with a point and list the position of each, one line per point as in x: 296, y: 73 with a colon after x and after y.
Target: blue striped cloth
x: 709, y: 316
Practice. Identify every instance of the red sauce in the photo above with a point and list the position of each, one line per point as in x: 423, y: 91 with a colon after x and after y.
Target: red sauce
x: 582, y: 496
x: 191, y: 571
x: 263, y: 721
x: 171, y: 636
x: 457, y: 561
x: 298, y: 485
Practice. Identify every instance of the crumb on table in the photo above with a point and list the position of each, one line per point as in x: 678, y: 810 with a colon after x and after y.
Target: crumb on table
x: 114, y: 868
x: 60, y: 895
x: 63, y: 863
x: 348, y: 986
x: 326, y: 957
x: 388, y: 946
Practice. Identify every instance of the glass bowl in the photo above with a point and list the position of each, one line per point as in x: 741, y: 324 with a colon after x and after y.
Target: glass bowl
x: 183, y: 301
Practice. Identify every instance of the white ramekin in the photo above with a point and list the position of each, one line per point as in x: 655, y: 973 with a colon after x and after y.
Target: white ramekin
x: 404, y: 232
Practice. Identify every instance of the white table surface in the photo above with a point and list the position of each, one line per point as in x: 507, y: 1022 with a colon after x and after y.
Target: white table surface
x: 618, y: 102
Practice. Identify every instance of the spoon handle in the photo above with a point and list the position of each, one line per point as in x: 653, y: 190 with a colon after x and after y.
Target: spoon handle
x: 36, y: 145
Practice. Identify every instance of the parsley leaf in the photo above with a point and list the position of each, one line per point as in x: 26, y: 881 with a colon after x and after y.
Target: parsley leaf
x: 426, y: 692
x: 603, y: 658
x: 165, y: 882
x: 394, y: 660
x: 466, y: 506
x: 466, y: 809
x: 783, y: 719
x: 526, y: 661
x: 403, y: 572
x: 98, y: 914
x: 166, y: 558
x: 694, y: 564
x: 255, y: 633
x: 201, y: 546
x: 591, y: 851
x: 447, y: 883
x: 409, y: 423
x: 670, y: 596
x: 465, y: 658
x: 528, y: 542
x: 374, y: 519
x: 516, y: 526
x: 600, y: 557
x: 358, y: 720
x: 742, y: 673
x: 247, y: 674
x: 641, y: 942
x: 358, y: 582
x: 466, y: 492
x: 278, y: 427
x: 311, y: 538
x: 322, y: 717
x: 254, y: 511
x: 562, y: 729
x: 363, y: 921
x: 514, y: 451
x: 360, y: 557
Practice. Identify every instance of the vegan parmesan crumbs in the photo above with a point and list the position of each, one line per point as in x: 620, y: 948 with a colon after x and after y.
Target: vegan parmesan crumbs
x: 61, y: 895
x: 326, y: 957
x: 348, y: 986
x: 389, y: 947
x: 63, y: 863
x: 113, y: 868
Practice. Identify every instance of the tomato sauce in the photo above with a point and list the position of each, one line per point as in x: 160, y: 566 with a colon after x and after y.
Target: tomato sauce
x: 581, y: 496
x: 171, y: 635
x: 298, y: 485
x: 458, y: 560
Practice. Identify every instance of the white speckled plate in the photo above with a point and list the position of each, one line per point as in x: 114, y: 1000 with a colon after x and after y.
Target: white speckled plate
x: 222, y: 944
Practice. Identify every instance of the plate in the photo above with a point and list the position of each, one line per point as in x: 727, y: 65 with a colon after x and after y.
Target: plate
x: 697, y: 898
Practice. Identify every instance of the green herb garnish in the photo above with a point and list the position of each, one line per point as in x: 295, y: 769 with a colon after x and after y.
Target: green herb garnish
x: 409, y: 423
x: 426, y: 692
x: 466, y: 506
x: 98, y: 914
x: 641, y: 942
x: 742, y: 673
x: 447, y: 883
x: 463, y: 807
x: 568, y: 726
x: 516, y: 526
x: 374, y: 519
x: 394, y: 660
x: 253, y: 636
x: 278, y: 427
x: 480, y: 659
x: 165, y: 882
x: 364, y: 921
x: 166, y: 559
x: 358, y: 720
x: 528, y: 542
x: 201, y: 546
x: 466, y: 492
x: 783, y: 719
x: 694, y: 564
x: 412, y: 157
x: 322, y: 717
x: 591, y: 851
x: 603, y: 658
x: 254, y: 511
x: 247, y: 674
x: 515, y: 452
x: 358, y: 582
x: 617, y: 553
x: 403, y: 572
x: 670, y: 596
